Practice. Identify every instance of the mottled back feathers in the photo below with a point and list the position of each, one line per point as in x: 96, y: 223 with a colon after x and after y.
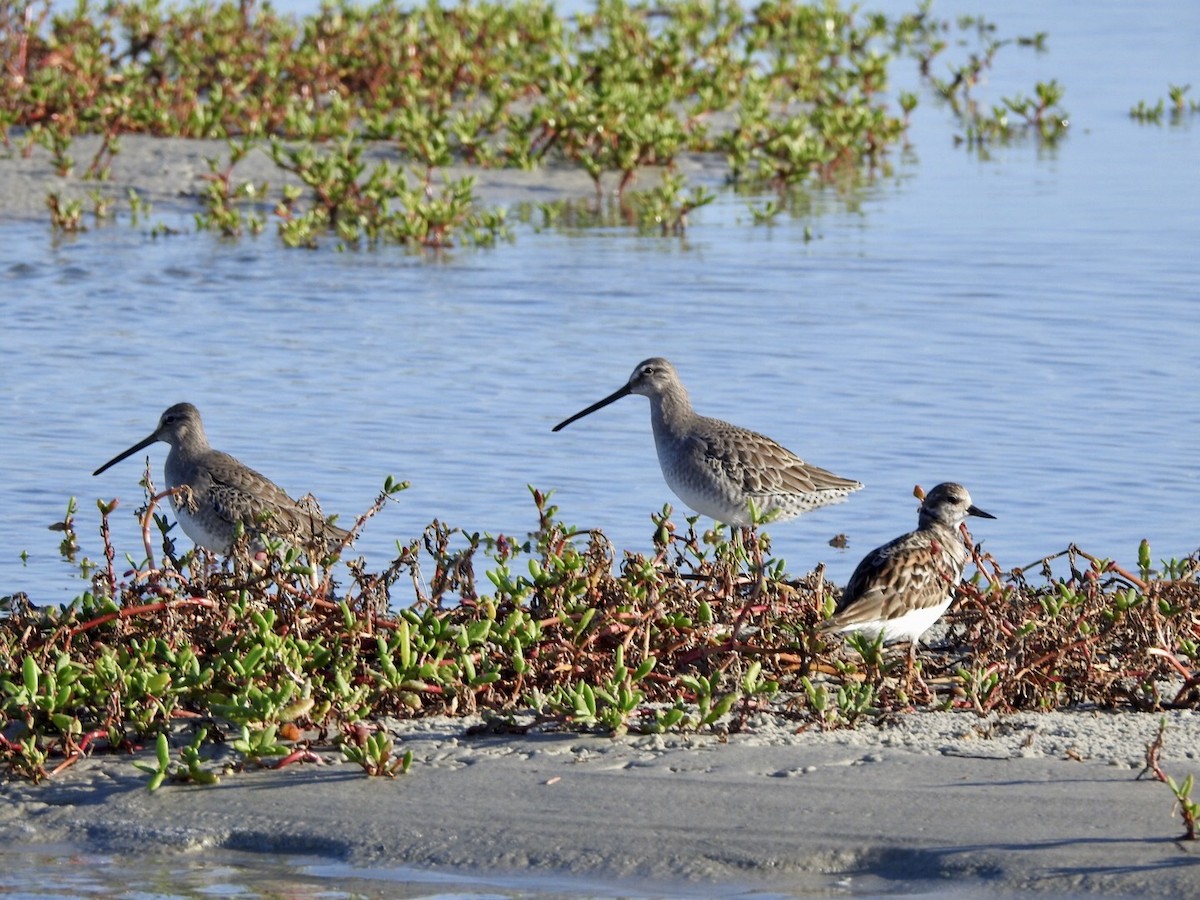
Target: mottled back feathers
x: 719, y: 469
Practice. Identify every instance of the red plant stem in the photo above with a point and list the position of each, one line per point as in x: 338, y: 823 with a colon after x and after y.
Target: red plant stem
x: 1174, y: 661
x: 1110, y: 566
x: 148, y: 517
x: 86, y: 740
x: 1053, y: 654
x: 131, y: 611
x: 1190, y: 685
x: 66, y: 763
x: 301, y: 754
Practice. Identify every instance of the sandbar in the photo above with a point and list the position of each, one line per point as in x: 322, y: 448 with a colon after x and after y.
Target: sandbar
x: 932, y: 801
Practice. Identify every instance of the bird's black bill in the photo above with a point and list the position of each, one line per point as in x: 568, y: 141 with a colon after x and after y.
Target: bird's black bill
x: 141, y: 445
x: 976, y: 511
x: 611, y: 398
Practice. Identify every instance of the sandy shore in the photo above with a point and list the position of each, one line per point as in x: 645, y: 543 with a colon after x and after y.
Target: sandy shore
x: 940, y: 801
x: 170, y: 173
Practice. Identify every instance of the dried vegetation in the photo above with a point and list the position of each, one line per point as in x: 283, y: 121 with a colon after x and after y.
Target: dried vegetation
x: 277, y: 652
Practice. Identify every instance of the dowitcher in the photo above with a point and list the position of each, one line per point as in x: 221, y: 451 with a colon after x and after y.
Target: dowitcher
x: 903, y: 587
x: 719, y: 469
x: 223, y: 493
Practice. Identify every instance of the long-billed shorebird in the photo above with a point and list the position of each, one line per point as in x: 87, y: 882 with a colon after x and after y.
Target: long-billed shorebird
x: 718, y: 469
x: 223, y: 493
x: 903, y: 587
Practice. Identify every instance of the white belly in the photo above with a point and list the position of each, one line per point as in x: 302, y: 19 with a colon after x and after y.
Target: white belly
x: 196, y: 527
x: 908, y: 627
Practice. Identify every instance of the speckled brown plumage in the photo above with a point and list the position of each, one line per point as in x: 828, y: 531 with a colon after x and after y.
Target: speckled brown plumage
x: 903, y: 587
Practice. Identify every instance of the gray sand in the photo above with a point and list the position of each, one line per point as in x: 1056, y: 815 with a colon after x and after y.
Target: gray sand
x: 170, y: 173
x: 1031, y: 803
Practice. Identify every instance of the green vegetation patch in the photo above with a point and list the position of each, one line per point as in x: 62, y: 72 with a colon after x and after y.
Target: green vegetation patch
x: 788, y: 93
x: 269, y: 655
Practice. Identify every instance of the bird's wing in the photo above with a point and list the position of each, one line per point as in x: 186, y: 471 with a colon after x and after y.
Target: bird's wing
x: 251, y: 498
x: 911, y: 572
x: 762, y: 467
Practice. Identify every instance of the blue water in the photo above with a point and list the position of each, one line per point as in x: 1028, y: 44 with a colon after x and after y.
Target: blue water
x: 1024, y: 323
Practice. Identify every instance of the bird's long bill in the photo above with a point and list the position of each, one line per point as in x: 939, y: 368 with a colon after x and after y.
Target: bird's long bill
x: 976, y: 511
x: 616, y: 395
x: 140, y: 445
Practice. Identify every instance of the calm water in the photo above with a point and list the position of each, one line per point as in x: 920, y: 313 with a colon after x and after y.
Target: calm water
x: 62, y: 872
x: 70, y: 871
x: 1026, y: 324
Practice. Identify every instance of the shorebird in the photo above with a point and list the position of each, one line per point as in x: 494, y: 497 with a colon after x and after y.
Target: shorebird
x: 903, y: 587
x: 223, y: 493
x: 719, y: 469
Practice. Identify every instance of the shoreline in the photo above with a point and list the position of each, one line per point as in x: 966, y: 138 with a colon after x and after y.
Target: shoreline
x: 170, y: 173
x: 1027, y: 803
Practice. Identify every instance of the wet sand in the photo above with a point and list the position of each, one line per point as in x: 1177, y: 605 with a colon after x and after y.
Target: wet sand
x: 171, y: 173
x: 934, y: 801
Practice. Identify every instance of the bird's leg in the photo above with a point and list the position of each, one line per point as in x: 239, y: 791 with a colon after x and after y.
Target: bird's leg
x: 744, y: 612
x: 737, y: 546
x: 912, y: 680
x: 910, y: 668
x: 727, y: 572
x: 745, y: 541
